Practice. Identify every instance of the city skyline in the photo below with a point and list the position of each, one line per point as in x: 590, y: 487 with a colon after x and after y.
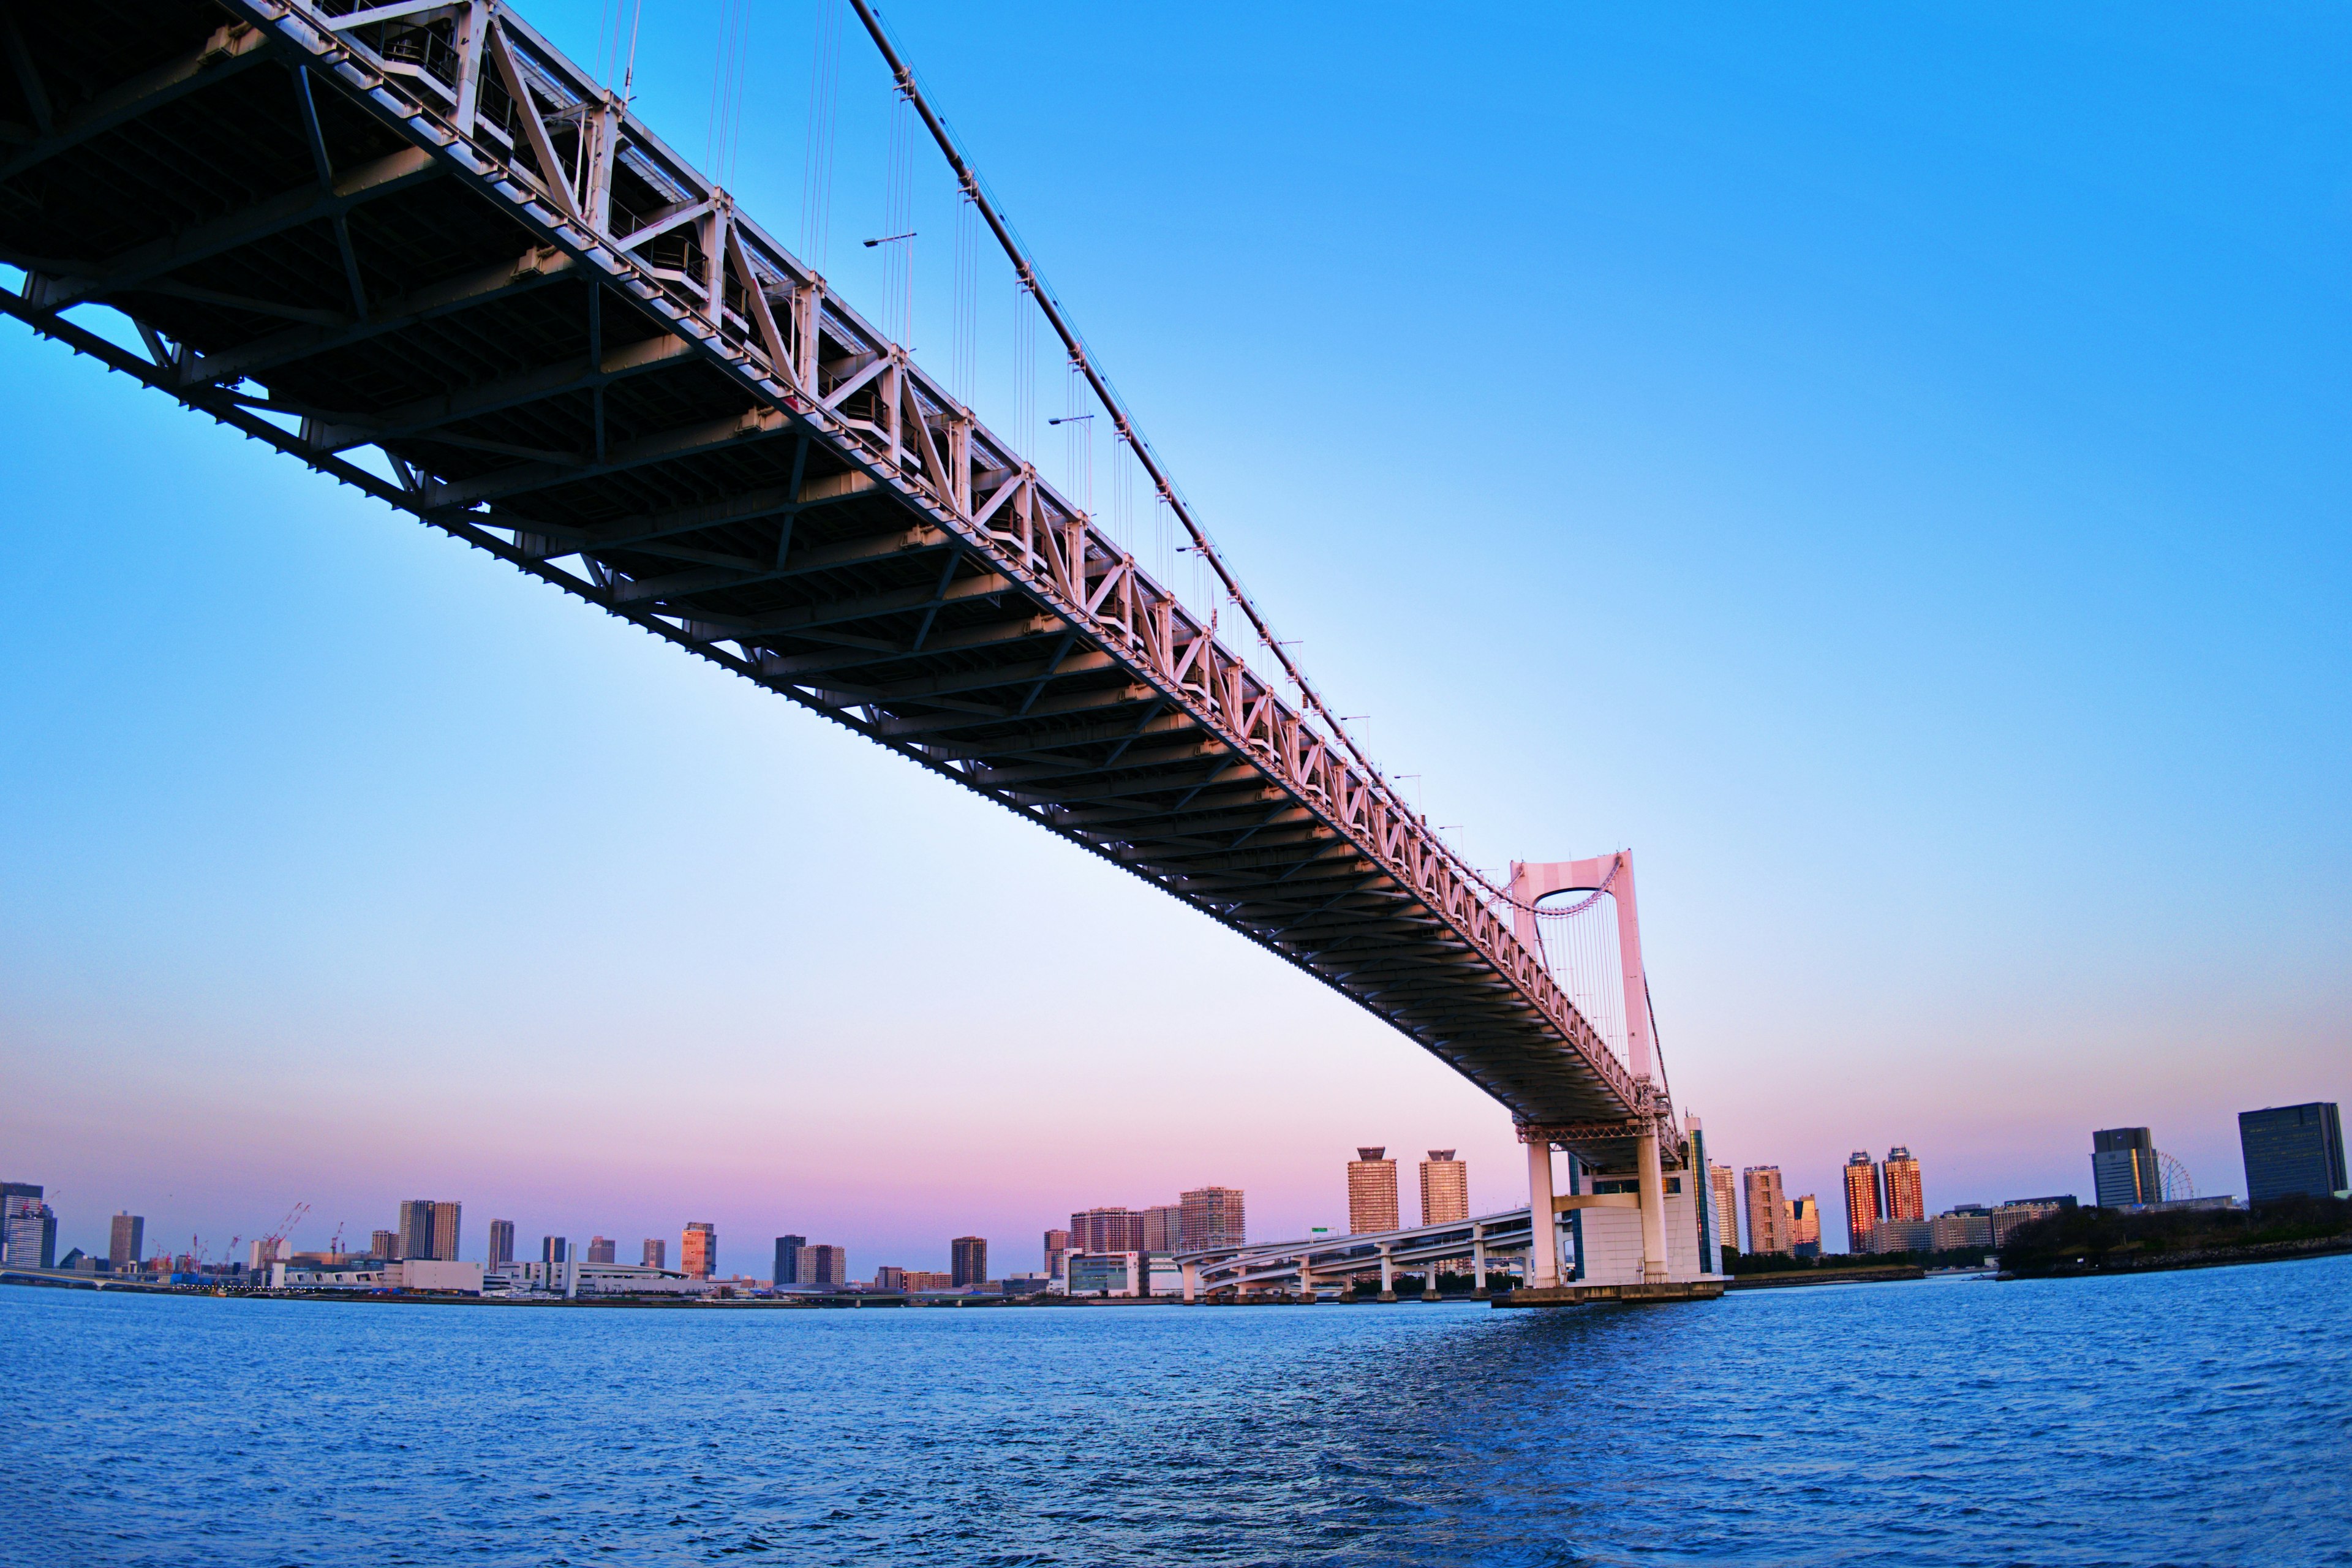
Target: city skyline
x: 1800, y: 478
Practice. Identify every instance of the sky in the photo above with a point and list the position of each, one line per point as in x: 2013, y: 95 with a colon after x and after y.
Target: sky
x: 1886, y: 465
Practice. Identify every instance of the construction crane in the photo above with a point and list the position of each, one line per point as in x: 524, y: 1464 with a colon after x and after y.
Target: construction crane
x: 273, y: 1244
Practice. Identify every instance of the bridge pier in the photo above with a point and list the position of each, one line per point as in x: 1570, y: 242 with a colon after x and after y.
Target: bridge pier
x: 1543, y: 1235
x: 1477, y: 1263
x: 1191, y: 1281
x: 1388, y: 1272
x: 1653, y: 1207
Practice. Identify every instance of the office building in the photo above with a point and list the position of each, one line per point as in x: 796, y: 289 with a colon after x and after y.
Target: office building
x: 501, y: 1248
x: 1214, y: 1217
x: 2292, y: 1149
x: 124, y: 1239
x: 1768, y: 1209
x: 1907, y: 1198
x: 2124, y: 1169
x: 2016, y: 1212
x: 554, y: 1249
x: 1444, y: 1188
x: 1372, y: 1193
x: 888, y: 1277
x: 1106, y: 1229
x: 788, y: 1258
x: 601, y: 1250
x: 1805, y: 1226
x: 1965, y: 1228
x: 1105, y: 1273
x: 445, y: 1232
x: 967, y: 1260
x: 384, y: 1244
x: 698, y: 1251
x: 931, y: 1279
x: 1163, y: 1227
x: 1726, y: 1182
x: 655, y: 1254
x: 29, y: 1228
x: 1865, y: 1200
x: 823, y: 1265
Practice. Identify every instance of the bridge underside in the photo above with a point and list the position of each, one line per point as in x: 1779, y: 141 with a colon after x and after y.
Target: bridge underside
x: 434, y: 244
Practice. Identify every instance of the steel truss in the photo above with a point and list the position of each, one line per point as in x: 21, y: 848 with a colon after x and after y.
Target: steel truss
x: 418, y: 228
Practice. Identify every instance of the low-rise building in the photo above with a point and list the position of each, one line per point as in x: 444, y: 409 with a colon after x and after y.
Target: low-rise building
x: 1961, y: 1229
x: 2008, y: 1216
x: 1902, y: 1235
x: 1105, y: 1273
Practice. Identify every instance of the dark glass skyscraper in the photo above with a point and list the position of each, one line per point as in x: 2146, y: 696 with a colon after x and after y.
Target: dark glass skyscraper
x: 967, y: 1260
x: 2124, y: 1169
x: 788, y: 1258
x: 2292, y: 1149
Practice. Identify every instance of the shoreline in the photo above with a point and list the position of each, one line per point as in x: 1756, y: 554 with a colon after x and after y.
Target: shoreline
x: 2203, y: 1258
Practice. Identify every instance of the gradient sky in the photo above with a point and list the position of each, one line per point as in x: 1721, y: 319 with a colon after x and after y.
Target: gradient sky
x: 1885, y: 464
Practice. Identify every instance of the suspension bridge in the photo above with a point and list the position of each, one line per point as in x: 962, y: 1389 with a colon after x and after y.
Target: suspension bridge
x: 415, y: 246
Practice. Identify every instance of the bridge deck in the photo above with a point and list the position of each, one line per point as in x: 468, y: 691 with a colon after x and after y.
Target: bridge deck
x: 432, y: 236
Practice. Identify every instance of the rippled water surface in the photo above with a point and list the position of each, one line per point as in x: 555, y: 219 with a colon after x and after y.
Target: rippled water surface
x: 2185, y: 1418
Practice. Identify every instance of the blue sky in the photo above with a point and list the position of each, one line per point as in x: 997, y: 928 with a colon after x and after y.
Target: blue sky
x: 1884, y: 464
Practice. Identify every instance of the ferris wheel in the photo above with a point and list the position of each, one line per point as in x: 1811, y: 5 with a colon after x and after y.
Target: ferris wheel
x: 2175, y: 1178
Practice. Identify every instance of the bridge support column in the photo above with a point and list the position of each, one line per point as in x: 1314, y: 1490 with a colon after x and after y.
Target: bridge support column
x: 1306, y: 1283
x: 1654, y: 1208
x: 1477, y: 1263
x: 1388, y: 1273
x: 1191, y: 1281
x: 1543, y: 1228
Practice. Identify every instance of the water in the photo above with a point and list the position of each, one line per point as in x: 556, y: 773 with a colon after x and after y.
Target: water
x: 2199, y: 1418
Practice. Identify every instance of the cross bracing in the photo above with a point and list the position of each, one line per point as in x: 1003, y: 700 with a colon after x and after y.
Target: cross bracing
x: 418, y: 229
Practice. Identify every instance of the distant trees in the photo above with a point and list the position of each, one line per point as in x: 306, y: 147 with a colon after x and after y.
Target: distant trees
x: 2095, y: 1240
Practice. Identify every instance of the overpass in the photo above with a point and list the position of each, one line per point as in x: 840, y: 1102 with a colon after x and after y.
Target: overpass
x: 415, y: 246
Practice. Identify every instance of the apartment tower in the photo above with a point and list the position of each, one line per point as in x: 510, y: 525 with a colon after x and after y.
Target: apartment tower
x: 1726, y: 1182
x: 656, y: 1252
x: 501, y: 1243
x: 1906, y: 1199
x: 824, y: 1265
x: 1107, y: 1230
x: 1768, y: 1209
x: 968, y: 1261
x: 602, y: 1250
x: 1163, y: 1227
x: 697, y: 1250
x: 1372, y: 1192
x: 788, y: 1258
x: 1865, y: 1203
x: 1212, y: 1216
x: 125, y: 1237
x: 1444, y: 1188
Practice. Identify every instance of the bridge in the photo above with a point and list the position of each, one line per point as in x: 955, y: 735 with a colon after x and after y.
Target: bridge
x: 415, y: 246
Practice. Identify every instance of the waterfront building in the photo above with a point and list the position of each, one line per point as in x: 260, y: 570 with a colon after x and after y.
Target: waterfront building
x: 967, y: 1260
x: 1805, y: 1226
x: 384, y: 1244
x: 655, y: 1254
x: 1961, y: 1229
x: 788, y: 1258
x: 697, y: 1250
x: 889, y: 1277
x: 575, y: 1278
x: 824, y: 1265
x: 1212, y: 1216
x: 28, y: 1228
x: 1105, y: 1273
x: 1373, y: 1193
x: 415, y: 1228
x: 2292, y: 1149
x: 1111, y: 1228
x: 553, y: 1249
x: 501, y: 1248
x: 601, y: 1249
x: 932, y: 1280
x: 2009, y: 1216
x: 1865, y: 1200
x: 125, y: 1237
x: 1906, y: 1198
x: 1057, y: 1249
x: 1903, y: 1235
x: 445, y: 1232
x: 1726, y: 1201
x: 1163, y: 1224
x: 1768, y: 1209
x: 1444, y: 1188
x: 2124, y: 1169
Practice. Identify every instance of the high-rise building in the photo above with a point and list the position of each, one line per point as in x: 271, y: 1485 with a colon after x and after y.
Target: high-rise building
x: 1112, y: 1229
x: 967, y: 1260
x: 1865, y: 1200
x: 29, y: 1228
x: 697, y: 1250
x: 444, y: 1231
x: 502, y: 1251
x: 1372, y: 1192
x: 601, y: 1250
x: 125, y: 1238
x: 2124, y: 1169
x: 1906, y: 1197
x: 2292, y: 1149
x: 823, y: 1265
x: 889, y: 1277
x: 788, y: 1258
x: 1768, y: 1209
x: 1726, y: 1202
x: 554, y: 1249
x: 384, y: 1244
x: 1444, y: 1188
x: 1805, y: 1226
x: 1214, y: 1217
x: 415, y: 1228
x: 656, y: 1252
x: 1058, y: 1253
x: 1163, y: 1229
